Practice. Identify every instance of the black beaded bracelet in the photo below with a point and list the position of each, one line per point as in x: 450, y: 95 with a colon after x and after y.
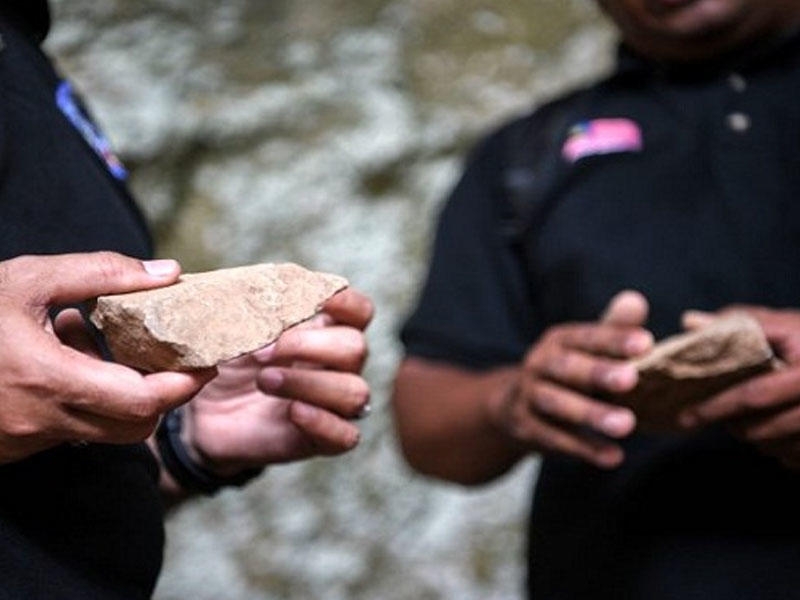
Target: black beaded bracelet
x: 186, y: 472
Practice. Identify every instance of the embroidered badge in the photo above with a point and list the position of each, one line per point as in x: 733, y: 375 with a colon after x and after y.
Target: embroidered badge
x: 602, y: 136
x: 71, y: 107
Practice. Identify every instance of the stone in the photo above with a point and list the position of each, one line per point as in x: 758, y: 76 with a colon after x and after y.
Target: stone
x: 207, y: 318
x: 690, y: 367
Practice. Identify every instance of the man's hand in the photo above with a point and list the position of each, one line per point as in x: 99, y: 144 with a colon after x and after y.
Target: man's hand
x: 553, y: 405
x: 291, y: 400
x: 764, y: 410
x: 52, y: 388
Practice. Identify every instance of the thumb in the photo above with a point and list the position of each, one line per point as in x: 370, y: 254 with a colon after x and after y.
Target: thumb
x: 628, y: 307
x: 71, y: 278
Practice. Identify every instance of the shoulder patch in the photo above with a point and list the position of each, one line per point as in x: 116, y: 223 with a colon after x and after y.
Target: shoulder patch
x: 71, y: 107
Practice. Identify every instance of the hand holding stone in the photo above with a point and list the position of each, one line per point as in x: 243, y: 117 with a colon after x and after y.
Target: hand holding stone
x: 51, y: 392
x: 555, y: 404
x: 764, y: 410
x: 294, y: 399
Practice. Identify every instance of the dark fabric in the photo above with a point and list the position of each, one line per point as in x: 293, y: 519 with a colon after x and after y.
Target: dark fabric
x: 703, y: 217
x: 75, y: 522
x: 32, y: 17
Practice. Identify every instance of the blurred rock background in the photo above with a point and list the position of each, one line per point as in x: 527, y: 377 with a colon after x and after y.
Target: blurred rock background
x: 325, y: 132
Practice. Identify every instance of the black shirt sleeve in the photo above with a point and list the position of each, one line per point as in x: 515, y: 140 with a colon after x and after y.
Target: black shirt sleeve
x: 474, y: 308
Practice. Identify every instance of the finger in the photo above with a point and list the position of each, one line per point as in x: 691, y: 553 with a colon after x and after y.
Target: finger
x: 586, y: 372
x: 565, y: 406
x: 697, y: 319
x: 628, y: 307
x: 350, y: 307
x: 622, y: 342
x: 71, y: 329
x: 338, y: 347
x: 551, y: 438
x: 776, y: 425
x: 345, y: 394
x: 111, y: 390
x: 752, y: 397
x: 79, y: 425
x: 70, y: 278
x: 328, y: 434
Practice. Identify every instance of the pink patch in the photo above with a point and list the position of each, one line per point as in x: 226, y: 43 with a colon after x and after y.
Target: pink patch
x: 602, y: 136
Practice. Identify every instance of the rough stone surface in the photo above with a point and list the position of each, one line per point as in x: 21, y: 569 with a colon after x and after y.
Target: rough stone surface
x: 207, y: 318
x: 690, y: 367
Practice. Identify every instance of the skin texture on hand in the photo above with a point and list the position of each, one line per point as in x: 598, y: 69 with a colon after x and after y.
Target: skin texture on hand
x: 294, y: 399
x: 472, y: 426
x: 53, y: 388
x: 554, y: 407
x: 765, y: 410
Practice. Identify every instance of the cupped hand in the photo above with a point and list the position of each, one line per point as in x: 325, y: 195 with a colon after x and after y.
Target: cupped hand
x: 554, y: 404
x: 53, y: 389
x: 294, y: 399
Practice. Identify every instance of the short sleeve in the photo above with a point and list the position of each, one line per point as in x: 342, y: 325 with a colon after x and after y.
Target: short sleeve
x: 474, y: 308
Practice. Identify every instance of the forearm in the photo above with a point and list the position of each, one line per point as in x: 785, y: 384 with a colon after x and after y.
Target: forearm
x: 444, y: 423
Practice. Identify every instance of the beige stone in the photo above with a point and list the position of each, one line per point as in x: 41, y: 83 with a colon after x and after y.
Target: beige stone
x: 207, y: 318
x: 691, y: 367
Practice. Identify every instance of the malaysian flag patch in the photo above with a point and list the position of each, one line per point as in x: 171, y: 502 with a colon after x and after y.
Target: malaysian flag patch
x: 602, y: 136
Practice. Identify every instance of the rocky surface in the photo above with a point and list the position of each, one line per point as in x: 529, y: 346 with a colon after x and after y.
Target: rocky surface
x: 210, y: 317
x: 326, y: 133
x: 691, y: 367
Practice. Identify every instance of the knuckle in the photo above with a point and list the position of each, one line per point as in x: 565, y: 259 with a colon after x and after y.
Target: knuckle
x: 18, y: 427
x: 544, y: 400
x: 558, y: 364
x: 20, y: 274
x: 109, y: 265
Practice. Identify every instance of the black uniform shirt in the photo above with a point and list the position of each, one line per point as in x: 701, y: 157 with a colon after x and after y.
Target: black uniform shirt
x: 75, y: 522
x: 685, y: 186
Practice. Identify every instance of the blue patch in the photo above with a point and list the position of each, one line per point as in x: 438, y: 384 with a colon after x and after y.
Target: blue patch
x: 71, y: 107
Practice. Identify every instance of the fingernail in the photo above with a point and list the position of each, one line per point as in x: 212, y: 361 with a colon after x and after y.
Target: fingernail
x: 618, y: 423
x: 611, y: 458
x: 165, y: 267
x: 271, y: 379
x: 365, y: 411
x: 621, y: 378
x: 638, y: 342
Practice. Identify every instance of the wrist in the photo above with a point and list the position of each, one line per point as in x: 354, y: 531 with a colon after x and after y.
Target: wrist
x: 184, y: 463
x: 499, y: 405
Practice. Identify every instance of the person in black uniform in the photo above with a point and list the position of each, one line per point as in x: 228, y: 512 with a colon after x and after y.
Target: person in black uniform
x: 81, y: 505
x: 676, y: 177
